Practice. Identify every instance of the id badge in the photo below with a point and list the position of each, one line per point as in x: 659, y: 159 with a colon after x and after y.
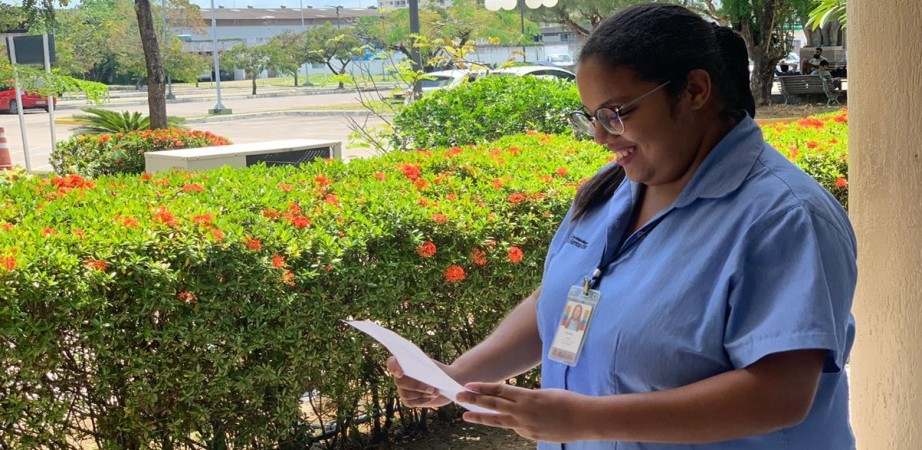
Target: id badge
x: 574, y: 325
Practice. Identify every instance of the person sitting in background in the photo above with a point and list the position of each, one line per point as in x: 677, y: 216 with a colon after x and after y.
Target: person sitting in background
x: 814, y: 62
x: 823, y: 71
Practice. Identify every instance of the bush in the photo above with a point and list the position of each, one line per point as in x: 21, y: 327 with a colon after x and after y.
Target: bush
x: 819, y: 146
x: 94, y: 155
x: 199, y: 308
x: 100, y: 121
x: 485, y: 110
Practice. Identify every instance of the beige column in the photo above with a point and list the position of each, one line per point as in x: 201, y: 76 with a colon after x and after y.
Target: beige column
x: 885, y: 205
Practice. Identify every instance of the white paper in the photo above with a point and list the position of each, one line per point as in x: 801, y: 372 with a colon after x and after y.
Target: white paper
x: 414, y: 362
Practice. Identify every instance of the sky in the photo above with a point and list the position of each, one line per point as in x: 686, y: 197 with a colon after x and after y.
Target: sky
x: 287, y: 3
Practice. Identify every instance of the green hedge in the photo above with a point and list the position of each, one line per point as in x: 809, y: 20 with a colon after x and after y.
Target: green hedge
x: 485, y: 110
x: 158, y: 311
x: 94, y: 155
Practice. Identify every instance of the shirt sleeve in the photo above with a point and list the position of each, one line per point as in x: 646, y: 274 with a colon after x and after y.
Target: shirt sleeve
x: 793, y: 290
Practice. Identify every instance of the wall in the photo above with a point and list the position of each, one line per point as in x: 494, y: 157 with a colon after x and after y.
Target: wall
x: 885, y: 203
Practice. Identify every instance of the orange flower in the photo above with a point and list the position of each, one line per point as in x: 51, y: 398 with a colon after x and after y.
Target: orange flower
x: 531, y: 133
x: 203, y: 219
x: 278, y: 261
x: 562, y: 171
x: 284, y: 187
x: 165, y: 217
x: 841, y: 182
x: 146, y: 176
x: 497, y: 184
x: 300, y: 221
x: 380, y: 175
x: 516, y: 198
x: 48, y: 231
x: 288, y: 278
x: 331, y: 199
x: 187, y: 297
x: 217, y: 234
x: 322, y: 180
x: 421, y: 183
x: 8, y: 262
x: 452, y: 197
x: 479, y: 257
x: 453, y: 151
x: 515, y: 254
x: 6, y: 227
x: 129, y: 222
x: 271, y: 214
x: 546, y: 178
x: 427, y: 250
x: 422, y: 201
x: 78, y: 232
x: 254, y: 244
x: 96, y: 264
x: 410, y: 171
x: 454, y: 273
x: 439, y: 218
x: 194, y: 187
x: 841, y: 119
x: 812, y: 144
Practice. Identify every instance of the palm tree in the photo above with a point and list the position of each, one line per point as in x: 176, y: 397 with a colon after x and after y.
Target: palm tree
x: 826, y: 11
x: 100, y: 121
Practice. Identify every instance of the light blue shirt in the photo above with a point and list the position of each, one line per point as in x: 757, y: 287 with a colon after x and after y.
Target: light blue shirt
x: 753, y: 258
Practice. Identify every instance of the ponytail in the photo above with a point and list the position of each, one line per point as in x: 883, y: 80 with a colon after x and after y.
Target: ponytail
x: 736, y: 93
x: 597, y: 190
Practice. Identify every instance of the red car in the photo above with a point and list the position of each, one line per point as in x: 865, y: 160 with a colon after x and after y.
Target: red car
x: 28, y: 101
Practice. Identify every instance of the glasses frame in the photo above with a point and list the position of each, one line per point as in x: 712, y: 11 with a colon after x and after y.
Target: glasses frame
x: 595, y: 118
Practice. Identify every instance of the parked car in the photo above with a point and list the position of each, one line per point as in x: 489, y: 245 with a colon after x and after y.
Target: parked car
x: 536, y: 71
x: 28, y: 100
x: 447, y: 79
x: 562, y: 60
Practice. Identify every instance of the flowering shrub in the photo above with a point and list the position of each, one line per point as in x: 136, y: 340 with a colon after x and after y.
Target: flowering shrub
x: 203, y: 306
x: 819, y: 145
x: 94, y: 155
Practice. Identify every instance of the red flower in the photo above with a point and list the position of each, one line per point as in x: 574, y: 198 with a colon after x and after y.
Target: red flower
x: 439, y: 218
x: 841, y: 182
x: 497, y: 184
x: 833, y: 141
x: 278, y: 261
x: 321, y: 180
x: 288, y: 278
x: 203, y: 219
x: 194, y: 187
x: 165, y: 217
x: 453, y: 151
x: 331, y: 199
x: 422, y: 201
x: 410, y: 171
x: 452, y: 197
x: 6, y: 227
x: 421, y: 183
x: 562, y: 171
x: 187, y: 297
x: 8, y: 262
x: 515, y: 254
x: 479, y: 257
x: 48, y: 231
x: 547, y: 178
x: 841, y: 119
x: 254, y: 244
x: 78, y: 232
x: 427, y: 250
x: 380, y: 175
x: 284, y: 187
x: 531, y: 133
x: 812, y: 144
x: 145, y: 176
x: 454, y: 273
x: 300, y: 221
x: 516, y: 198
x: 217, y: 234
x: 96, y: 264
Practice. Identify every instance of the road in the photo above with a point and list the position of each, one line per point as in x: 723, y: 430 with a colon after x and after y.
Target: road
x: 240, y: 130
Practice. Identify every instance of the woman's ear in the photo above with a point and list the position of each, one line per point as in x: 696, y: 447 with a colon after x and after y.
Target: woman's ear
x: 698, y: 88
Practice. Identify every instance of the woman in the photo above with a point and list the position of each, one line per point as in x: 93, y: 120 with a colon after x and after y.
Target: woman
x: 723, y: 274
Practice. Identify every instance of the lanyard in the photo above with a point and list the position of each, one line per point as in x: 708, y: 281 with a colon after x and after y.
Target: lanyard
x: 606, y: 260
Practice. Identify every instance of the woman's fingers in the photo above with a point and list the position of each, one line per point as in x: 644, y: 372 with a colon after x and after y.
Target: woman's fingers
x: 413, y: 392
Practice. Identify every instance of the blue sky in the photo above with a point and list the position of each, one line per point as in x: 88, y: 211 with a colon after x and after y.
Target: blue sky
x: 288, y: 3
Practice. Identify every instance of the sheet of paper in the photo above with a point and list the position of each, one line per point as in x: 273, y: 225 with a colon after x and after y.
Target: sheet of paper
x: 414, y: 362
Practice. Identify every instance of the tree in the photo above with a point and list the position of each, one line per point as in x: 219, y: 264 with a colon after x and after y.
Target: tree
x: 252, y: 60
x: 327, y: 45
x: 291, y: 54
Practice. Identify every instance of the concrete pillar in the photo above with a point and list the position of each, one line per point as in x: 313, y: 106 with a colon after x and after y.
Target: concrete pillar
x: 885, y: 205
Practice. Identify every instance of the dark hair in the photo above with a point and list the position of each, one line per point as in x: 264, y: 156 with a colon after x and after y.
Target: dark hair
x: 819, y: 49
x: 824, y: 63
x: 664, y: 42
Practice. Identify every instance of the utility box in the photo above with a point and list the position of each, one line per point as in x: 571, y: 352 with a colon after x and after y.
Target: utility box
x: 271, y: 153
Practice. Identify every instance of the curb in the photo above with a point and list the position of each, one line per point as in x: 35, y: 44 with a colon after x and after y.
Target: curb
x: 261, y: 115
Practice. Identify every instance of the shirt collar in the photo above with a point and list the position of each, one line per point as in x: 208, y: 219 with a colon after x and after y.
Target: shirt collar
x: 728, y: 164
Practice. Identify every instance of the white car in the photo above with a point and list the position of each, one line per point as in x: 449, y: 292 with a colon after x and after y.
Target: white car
x: 441, y: 79
x: 563, y: 60
x: 536, y: 71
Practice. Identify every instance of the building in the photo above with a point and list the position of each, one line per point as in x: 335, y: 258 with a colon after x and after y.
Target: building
x: 399, y: 4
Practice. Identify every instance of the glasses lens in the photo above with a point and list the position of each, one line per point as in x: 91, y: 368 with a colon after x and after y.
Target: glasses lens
x: 611, y: 121
x: 582, y: 123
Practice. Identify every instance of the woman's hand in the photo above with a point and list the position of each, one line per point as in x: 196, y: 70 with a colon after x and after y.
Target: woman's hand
x: 415, y: 393
x: 545, y: 414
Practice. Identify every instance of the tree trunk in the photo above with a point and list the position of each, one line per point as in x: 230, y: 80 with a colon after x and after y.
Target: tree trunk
x: 764, y: 51
x: 296, y: 77
x: 156, y: 97
x: 254, y: 84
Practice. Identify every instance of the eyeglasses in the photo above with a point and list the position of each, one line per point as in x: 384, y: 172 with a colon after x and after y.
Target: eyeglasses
x: 610, y: 118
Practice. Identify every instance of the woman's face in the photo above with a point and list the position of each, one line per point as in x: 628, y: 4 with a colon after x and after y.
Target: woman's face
x: 661, y: 139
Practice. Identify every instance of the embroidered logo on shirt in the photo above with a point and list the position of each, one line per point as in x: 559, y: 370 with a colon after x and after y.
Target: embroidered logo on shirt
x: 578, y: 242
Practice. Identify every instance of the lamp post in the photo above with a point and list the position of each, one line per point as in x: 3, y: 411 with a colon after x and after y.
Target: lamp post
x: 218, y: 107
x: 509, y: 5
x: 307, y: 67
x: 337, y: 14
x: 169, y: 82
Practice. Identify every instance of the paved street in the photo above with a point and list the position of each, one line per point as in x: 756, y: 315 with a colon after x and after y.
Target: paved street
x: 241, y: 130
